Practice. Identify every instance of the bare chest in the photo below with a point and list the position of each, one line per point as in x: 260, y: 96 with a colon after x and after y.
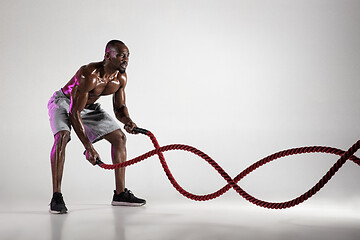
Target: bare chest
x: 104, y: 87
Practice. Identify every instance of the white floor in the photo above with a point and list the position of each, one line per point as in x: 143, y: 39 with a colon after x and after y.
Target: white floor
x: 181, y: 220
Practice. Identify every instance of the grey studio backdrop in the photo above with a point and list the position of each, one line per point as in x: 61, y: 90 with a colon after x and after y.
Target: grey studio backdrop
x: 239, y: 80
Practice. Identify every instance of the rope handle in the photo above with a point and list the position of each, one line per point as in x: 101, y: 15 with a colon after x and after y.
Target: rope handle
x: 140, y: 130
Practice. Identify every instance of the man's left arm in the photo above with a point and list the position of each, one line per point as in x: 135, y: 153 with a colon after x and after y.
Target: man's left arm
x: 120, y: 109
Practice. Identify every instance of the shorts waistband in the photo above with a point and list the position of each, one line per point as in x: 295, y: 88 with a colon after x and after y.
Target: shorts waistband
x: 62, y: 93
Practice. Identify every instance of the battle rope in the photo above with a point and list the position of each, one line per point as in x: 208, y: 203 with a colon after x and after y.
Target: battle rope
x: 232, y: 183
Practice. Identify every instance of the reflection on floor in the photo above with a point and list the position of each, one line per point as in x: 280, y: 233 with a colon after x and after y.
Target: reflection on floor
x: 186, y: 220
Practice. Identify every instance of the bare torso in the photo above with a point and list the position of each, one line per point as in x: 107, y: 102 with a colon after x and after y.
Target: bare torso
x: 104, y: 85
x: 90, y: 83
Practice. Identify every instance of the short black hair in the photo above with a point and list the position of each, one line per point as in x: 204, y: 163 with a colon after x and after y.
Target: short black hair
x: 112, y: 44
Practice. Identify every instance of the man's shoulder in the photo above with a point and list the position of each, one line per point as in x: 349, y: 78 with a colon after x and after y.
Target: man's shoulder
x: 122, y: 77
x: 85, y: 77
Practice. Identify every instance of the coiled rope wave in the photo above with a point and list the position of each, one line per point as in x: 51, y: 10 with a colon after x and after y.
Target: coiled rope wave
x: 232, y: 183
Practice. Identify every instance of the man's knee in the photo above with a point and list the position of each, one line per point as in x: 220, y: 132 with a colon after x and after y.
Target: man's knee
x: 118, y: 138
x: 121, y: 137
x: 62, y: 138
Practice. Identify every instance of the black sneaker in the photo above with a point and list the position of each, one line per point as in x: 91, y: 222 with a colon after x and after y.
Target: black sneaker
x: 126, y: 198
x: 57, y: 204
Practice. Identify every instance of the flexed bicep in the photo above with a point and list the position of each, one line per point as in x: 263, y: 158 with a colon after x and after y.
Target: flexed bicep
x: 120, y: 109
x: 78, y: 100
x: 84, y: 83
x: 119, y: 98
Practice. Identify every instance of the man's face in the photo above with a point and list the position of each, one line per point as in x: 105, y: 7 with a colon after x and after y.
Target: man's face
x: 119, y: 56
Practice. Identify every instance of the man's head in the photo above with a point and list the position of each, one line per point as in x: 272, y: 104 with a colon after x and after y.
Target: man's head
x: 117, y: 55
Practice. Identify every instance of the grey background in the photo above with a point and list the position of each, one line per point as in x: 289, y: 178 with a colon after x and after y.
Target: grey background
x: 239, y: 80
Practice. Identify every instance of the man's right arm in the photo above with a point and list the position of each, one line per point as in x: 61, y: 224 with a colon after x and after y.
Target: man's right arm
x: 84, y: 83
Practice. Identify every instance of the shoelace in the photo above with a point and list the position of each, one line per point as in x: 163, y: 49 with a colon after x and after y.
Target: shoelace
x: 129, y: 193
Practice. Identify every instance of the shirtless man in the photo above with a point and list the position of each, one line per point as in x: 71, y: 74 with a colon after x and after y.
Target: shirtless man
x: 74, y: 105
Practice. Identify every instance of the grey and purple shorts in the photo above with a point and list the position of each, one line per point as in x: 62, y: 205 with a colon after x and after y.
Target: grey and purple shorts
x: 96, y: 121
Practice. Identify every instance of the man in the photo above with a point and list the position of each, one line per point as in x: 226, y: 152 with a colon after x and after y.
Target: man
x: 74, y: 105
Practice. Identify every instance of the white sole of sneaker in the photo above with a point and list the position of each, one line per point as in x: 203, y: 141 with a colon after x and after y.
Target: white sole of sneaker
x: 56, y: 212
x: 114, y: 203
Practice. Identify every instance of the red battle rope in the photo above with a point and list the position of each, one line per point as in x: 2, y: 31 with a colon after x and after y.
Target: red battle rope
x: 232, y: 183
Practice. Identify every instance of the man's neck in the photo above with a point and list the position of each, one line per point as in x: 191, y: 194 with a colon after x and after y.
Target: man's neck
x: 109, y: 72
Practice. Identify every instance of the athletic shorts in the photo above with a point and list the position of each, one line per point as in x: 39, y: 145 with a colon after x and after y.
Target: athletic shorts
x: 96, y: 121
